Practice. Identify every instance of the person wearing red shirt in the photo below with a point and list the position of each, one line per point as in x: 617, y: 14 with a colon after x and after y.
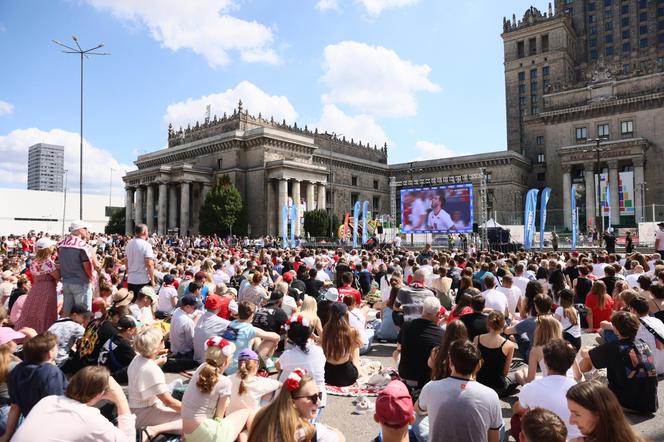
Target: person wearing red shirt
x: 600, y: 305
x: 346, y: 289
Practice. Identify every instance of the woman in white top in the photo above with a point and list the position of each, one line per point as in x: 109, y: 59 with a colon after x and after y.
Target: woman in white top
x: 249, y: 390
x: 149, y: 397
x: 73, y: 417
x: 304, y: 354
x: 205, y: 402
x: 569, y: 318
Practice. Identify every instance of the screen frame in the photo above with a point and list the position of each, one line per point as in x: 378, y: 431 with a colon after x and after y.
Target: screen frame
x: 468, y: 186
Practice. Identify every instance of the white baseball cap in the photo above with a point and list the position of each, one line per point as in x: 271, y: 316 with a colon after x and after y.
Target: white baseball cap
x: 44, y: 243
x: 331, y: 294
x: 77, y: 225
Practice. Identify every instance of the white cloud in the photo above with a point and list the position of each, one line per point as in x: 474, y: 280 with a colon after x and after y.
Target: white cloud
x: 97, y: 163
x: 253, y: 99
x: 359, y: 127
x: 431, y: 151
x: 375, y: 7
x: 200, y: 25
x: 373, y: 79
x: 6, y: 108
x: 327, y: 5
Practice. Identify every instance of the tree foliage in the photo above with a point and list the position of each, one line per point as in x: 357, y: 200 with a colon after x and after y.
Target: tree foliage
x: 317, y: 222
x: 116, y: 222
x: 221, y: 211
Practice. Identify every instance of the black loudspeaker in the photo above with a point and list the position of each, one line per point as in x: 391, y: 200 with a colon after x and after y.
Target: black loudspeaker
x: 380, y: 229
x: 476, y: 228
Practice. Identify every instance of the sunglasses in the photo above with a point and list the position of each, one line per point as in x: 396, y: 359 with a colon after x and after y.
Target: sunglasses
x: 314, y: 398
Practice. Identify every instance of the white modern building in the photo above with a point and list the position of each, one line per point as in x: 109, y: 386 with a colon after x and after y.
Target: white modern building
x: 46, y: 167
x: 26, y: 210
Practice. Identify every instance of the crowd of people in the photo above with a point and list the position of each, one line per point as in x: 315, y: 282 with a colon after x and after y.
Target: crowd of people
x: 92, y: 323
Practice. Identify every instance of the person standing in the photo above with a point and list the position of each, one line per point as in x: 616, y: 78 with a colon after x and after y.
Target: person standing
x: 610, y: 240
x: 659, y: 239
x: 139, y: 259
x: 554, y: 241
x: 629, y: 243
x: 76, y: 267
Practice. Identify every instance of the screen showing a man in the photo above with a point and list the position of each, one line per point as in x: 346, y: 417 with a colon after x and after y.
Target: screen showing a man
x: 439, y: 209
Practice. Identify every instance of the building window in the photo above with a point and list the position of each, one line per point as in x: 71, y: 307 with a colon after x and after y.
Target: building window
x: 533, y: 73
x: 539, y: 140
x: 520, y: 51
x: 660, y: 12
x: 603, y: 130
x: 532, y: 46
x: 592, y: 30
x: 522, y: 89
x: 545, y: 71
x: 540, y: 158
x: 643, y: 43
x: 643, y: 29
x: 627, y: 128
x: 608, y: 26
x: 591, y: 19
x: 376, y: 204
x: 354, y: 197
x: 625, y: 34
x: 581, y: 133
x: 643, y: 4
x: 592, y: 42
x: 627, y: 68
x: 643, y: 16
x: 545, y: 43
x: 591, y: 6
x: 522, y: 76
x: 608, y: 51
x: 533, y: 87
x: 608, y: 38
x: 624, y: 8
x: 375, y: 184
x: 534, y: 104
x: 626, y: 47
x: 660, y: 25
x: 220, y: 163
x: 608, y: 13
x: 593, y: 54
x: 624, y: 21
x: 660, y: 38
x: 353, y: 180
x: 608, y: 2
x: 545, y: 85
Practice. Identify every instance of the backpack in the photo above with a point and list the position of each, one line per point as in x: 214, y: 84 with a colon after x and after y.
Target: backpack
x: 261, y: 318
x: 230, y: 334
x: 89, y: 339
x: 637, y: 359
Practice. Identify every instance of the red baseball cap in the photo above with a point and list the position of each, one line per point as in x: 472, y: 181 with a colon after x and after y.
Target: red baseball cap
x: 287, y: 277
x: 394, y: 406
x: 213, y: 302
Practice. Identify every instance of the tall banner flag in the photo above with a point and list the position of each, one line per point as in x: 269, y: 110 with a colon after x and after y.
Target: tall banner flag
x: 294, y: 222
x: 575, y: 221
x: 608, y: 203
x: 544, y: 201
x: 529, y: 218
x: 356, y: 217
x: 284, y: 229
x: 365, y: 209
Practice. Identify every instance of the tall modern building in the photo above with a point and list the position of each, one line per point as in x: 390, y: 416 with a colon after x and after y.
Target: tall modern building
x: 46, y: 167
x: 585, y: 103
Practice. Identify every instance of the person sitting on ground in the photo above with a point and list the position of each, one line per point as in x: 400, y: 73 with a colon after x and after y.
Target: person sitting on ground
x: 312, y: 284
x: 629, y: 365
x: 600, y: 305
x: 494, y: 299
x: 74, y: 416
x: 330, y: 296
x: 288, y: 416
x: 181, y: 333
x: 595, y: 410
x: 394, y: 413
x: 8, y: 361
x: 167, y: 297
x: 141, y: 308
x: 205, y: 415
x: 416, y: 340
x: 476, y: 322
x: 459, y: 408
x: 651, y: 331
x: 34, y: 378
x: 570, y: 320
x: 149, y: 397
x: 524, y: 331
x: 341, y: 345
x: 540, y: 425
x: 249, y: 391
x: 345, y: 289
x: 118, y: 352
x: 388, y: 331
x: 308, y: 310
x: 497, y: 353
x: 244, y: 335
x: 549, y: 391
x: 208, y: 325
x: 411, y: 298
x: 271, y: 317
x: 357, y: 318
x: 439, y: 359
x: 69, y: 330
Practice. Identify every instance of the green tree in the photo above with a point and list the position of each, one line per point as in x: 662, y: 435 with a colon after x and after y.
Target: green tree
x: 222, y: 208
x: 116, y: 222
x: 317, y: 222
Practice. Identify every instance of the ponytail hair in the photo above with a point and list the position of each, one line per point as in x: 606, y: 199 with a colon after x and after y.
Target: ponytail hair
x: 216, y: 360
x: 245, y: 368
x: 567, y: 303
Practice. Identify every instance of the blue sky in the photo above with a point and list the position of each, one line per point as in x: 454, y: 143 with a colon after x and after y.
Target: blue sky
x: 424, y: 75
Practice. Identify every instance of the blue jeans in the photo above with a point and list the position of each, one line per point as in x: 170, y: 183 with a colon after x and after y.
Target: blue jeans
x: 524, y: 345
x: 76, y: 294
x: 369, y: 333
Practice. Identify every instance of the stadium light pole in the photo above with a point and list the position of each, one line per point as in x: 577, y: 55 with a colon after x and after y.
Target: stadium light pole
x: 83, y: 53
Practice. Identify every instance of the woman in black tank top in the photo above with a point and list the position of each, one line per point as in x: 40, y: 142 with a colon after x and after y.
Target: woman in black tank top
x: 496, y: 354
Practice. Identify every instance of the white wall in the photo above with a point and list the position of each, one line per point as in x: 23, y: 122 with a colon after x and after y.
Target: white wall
x: 46, y: 210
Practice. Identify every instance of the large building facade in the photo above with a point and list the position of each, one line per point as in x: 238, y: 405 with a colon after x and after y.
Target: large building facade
x: 46, y: 167
x: 585, y: 104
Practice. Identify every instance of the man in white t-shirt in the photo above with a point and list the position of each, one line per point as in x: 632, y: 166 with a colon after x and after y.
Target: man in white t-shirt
x: 651, y: 331
x: 511, y: 292
x: 519, y: 280
x: 549, y: 391
x: 633, y: 278
x: 139, y: 259
x: 495, y: 300
x: 438, y: 218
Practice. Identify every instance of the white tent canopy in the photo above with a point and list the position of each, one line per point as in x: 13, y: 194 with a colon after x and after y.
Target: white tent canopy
x: 491, y: 224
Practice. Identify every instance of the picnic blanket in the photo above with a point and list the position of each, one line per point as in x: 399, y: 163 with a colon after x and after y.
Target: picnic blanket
x: 373, y: 378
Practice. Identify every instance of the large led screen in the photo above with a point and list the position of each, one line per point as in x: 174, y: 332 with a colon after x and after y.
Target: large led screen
x: 441, y: 209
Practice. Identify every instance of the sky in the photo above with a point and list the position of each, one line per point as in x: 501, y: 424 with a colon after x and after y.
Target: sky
x: 423, y: 76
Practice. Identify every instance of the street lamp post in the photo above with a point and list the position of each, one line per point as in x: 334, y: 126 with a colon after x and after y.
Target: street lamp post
x: 83, y: 53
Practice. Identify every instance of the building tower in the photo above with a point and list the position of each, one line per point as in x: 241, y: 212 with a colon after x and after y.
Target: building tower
x: 46, y: 167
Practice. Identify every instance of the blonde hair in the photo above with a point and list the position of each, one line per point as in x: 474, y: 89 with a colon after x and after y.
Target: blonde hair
x: 6, y: 359
x: 215, y: 360
x: 280, y: 421
x: 245, y: 369
x: 43, y: 254
x: 548, y: 328
x: 147, y: 342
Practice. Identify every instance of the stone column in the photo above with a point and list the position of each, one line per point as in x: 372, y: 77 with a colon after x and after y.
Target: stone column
x: 161, y: 211
x: 184, y: 208
x: 138, y: 211
x: 639, y: 183
x: 310, y: 196
x: 149, y: 208
x: 129, y: 205
x: 196, y: 205
x: 296, y: 201
x: 589, y: 175
x: 615, y: 195
x: 271, y: 200
x: 172, y: 205
x: 321, y: 196
x: 567, y: 195
x: 283, y: 202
